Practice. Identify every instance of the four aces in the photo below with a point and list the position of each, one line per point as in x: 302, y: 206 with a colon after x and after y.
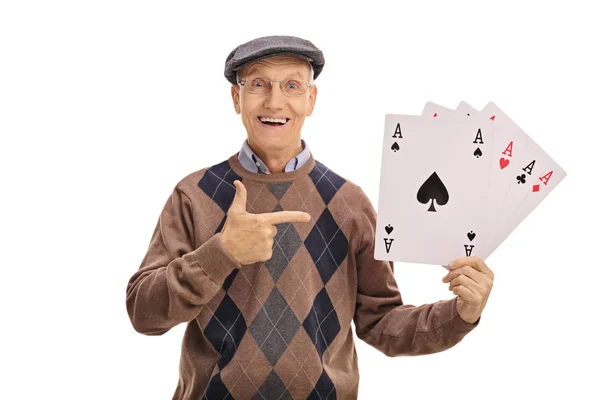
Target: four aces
x: 456, y: 183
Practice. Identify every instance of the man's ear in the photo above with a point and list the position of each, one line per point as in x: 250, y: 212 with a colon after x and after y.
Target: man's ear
x: 312, y: 100
x: 235, y: 96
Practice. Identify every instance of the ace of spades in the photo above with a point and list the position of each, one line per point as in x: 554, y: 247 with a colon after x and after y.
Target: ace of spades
x: 434, y: 190
x: 431, y: 191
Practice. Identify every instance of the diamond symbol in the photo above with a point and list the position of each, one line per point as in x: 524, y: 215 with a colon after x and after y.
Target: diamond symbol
x: 321, y: 323
x: 327, y: 182
x: 217, y: 183
x: 273, y: 339
x: 286, y: 243
x: 226, y: 329
x: 327, y: 245
x: 324, y: 389
x: 272, y: 388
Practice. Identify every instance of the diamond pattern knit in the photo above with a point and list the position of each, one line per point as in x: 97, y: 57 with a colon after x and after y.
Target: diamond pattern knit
x: 278, y: 329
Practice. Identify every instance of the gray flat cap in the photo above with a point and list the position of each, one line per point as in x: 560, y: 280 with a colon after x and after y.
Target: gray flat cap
x: 270, y: 46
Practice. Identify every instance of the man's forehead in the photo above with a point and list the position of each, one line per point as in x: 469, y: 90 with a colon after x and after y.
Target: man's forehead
x: 289, y: 65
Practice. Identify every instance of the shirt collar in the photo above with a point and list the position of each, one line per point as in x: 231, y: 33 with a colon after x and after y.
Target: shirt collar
x: 253, y: 163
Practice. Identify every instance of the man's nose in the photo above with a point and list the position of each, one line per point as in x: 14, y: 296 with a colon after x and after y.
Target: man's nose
x: 275, y: 99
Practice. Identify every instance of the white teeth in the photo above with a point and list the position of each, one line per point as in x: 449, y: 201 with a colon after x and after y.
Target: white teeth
x: 278, y: 120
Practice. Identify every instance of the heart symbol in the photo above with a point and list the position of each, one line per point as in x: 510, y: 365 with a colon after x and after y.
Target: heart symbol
x: 504, y: 162
x: 395, y: 147
x: 435, y: 115
x: 389, y: 229
x: 536, y: 188
x: 471, y: 235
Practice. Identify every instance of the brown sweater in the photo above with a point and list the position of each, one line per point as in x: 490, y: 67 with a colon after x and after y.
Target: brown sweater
x: 278, y: 329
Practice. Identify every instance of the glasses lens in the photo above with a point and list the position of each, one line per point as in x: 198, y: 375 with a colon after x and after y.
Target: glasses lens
x: 258, y: 85
x: 294, y: 87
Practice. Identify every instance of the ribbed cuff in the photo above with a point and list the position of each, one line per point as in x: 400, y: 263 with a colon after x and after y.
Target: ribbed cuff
x: 214, y: 259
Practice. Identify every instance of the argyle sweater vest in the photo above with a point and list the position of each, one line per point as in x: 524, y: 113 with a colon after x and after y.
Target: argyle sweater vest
x: 278, y: 329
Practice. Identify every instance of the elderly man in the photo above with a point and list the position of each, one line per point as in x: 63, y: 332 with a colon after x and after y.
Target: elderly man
x: 268, y: 257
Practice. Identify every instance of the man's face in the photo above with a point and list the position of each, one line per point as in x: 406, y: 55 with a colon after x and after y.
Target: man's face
x: 274, y: 104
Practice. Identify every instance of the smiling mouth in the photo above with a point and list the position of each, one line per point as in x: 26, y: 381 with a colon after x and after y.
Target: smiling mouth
x: 273, y: 121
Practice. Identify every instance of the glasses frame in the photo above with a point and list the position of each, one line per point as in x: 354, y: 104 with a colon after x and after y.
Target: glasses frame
x: 308, y: 86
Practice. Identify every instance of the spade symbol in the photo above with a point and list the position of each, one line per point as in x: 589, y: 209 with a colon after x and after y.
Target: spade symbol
x: 389, y: 228
x: 478, y: 153
x: 433, y: 189
x: 471, y: 235
x: 395, y: 147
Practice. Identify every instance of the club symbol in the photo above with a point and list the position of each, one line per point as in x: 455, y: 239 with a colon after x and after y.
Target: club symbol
x: 477, y: 153
x: 520, y: 179
x: 395, y: 147
x: 389, y: 228
x: 471, y: 235
x: 468, y: 114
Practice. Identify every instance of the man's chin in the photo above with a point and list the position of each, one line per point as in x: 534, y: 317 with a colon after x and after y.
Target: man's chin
x: 268, y: 141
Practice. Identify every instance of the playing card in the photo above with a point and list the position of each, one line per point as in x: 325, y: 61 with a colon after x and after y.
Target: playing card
x: 536, y: 176
x: 510, y: 147
x: 463, y: 110
x: 434, y: 177
x: 466, y: 110
x: 436, y: 110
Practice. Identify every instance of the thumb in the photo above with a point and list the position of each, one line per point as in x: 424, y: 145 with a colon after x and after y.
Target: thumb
x: 239, y: 201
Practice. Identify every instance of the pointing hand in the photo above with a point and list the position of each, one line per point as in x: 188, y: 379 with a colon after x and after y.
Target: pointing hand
x: 249, y: 237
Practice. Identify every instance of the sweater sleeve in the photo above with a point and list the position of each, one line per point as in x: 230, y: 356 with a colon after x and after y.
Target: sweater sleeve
x: 175, y: 279
x: 383, y: 321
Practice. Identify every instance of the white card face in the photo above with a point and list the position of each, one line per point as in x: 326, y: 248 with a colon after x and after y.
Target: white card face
x: 436, y: 110
x: 537, y: 175
x: 503, y: 151
x: 434, y: 177
x: 510, y: 147
x: 466, y: 109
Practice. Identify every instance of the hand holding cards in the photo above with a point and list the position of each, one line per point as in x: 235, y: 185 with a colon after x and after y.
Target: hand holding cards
x: 456, y: 183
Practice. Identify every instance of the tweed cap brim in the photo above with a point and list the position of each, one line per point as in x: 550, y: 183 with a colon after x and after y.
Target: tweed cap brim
x: 271, y: 46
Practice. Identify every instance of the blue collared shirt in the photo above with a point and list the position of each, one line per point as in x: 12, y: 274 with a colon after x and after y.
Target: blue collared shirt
x: 253, y: 163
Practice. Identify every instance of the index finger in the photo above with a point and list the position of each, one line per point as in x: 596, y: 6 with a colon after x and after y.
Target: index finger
x: 475, y: 262
x: 280, y: 217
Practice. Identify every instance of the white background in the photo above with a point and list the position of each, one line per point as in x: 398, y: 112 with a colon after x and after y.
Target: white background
x: 105, y: 105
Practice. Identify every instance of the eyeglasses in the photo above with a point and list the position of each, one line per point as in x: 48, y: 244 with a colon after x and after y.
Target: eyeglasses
x: 290, y: 87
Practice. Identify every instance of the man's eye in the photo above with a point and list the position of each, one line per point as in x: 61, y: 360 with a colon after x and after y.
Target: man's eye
x: 292, y: 85
x: 258, y: 83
